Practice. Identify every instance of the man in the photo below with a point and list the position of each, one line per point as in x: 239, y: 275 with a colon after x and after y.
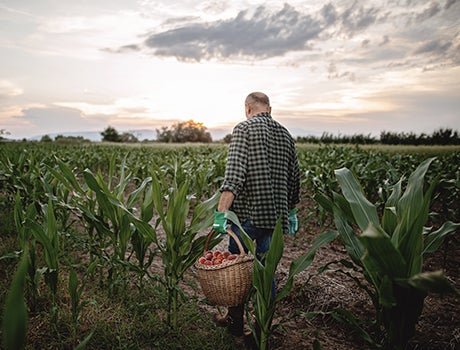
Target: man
x: 261, y: 184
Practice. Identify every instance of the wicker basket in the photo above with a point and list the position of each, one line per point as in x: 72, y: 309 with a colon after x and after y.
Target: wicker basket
x: 226, y: 284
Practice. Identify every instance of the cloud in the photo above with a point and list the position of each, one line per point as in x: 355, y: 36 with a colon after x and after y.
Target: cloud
x: 124, y: 115
x: 434, y: 46
x: 429, y: 12
x: 8, y: 89
x: 449, y: 3
x: 391, y: 34
x: 56, y: 118
x: 357, y: 18
x: 329, y: 14
x: 258, y: 34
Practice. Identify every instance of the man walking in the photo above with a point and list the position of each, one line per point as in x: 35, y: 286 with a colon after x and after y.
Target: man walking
x: 262, y: 184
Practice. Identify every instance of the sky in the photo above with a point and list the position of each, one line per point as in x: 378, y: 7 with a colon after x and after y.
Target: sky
x: 343, y: 67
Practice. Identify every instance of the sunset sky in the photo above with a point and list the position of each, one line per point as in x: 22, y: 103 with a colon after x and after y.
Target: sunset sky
x: 342, y: 67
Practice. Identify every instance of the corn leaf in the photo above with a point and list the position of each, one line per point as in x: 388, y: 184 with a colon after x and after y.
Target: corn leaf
x: 381, y: 257
x: 147, y: 205
x: 349, y: 238
x: 203, y: 213
x: 364, y: 211
x: 14, y: 321
x: 413, y: 209
x: 248, y: 242
x: 389, y: 217
x: 85, y: 341
x: 434, y: 281
x: 434, y: 239
x: 135, y: 195
x: 409, y: 203
x: 66, y: 176
x: 273, y: 256
x: 101, y: 195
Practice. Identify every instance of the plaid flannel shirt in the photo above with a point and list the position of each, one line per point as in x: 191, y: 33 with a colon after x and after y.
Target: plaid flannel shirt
x: 262, y: 172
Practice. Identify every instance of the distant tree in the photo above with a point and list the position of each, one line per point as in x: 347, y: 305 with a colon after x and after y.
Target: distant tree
x: 128, y: 137
x: 110, y: 134
x: 70, y: 139
x: 188, y: 131
x: 445, y: 137
x: 165, y: 134
x: 46, y: 138
x: 439, y: 137
x: 228, y: 138
x: 3, y: 132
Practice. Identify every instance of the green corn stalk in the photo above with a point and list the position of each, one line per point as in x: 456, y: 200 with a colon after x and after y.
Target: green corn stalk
x: 143, y: 237
x: 264, y: 273
x: 46, y: 234
x: 111, y: 221
x: 75, y: 291
x: 27, y: 242
x: 392, y: 251
x: 14, y: 321
x: 84, y: 205
x: 181, y: 247
x: 109, y: 210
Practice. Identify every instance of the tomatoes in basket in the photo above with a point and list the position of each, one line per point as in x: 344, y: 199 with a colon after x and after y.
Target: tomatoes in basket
x: 216, y: 258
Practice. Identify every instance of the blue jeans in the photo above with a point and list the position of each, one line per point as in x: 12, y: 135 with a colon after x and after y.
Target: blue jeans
x: 262, y: 236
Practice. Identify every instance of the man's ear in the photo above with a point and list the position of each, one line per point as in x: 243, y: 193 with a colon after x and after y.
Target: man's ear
x: 248, y: 110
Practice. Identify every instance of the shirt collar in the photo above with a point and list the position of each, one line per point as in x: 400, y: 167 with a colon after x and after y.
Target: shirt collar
x: 263, y: 115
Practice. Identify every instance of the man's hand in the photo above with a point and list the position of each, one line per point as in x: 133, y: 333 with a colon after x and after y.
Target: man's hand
x: 293, y: 222
x: 220, y: 222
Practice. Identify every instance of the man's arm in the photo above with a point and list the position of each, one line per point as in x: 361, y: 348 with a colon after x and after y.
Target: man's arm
x: 226, y: 200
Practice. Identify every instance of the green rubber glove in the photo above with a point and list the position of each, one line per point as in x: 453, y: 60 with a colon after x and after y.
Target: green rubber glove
x: 220, y: 222
x: 293, y: 222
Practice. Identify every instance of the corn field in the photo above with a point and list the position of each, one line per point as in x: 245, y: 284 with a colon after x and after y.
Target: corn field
x: 98, y: 232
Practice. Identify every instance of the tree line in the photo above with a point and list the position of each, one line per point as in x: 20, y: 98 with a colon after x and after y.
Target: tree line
x: 191, y: 131
x: 439, y: 137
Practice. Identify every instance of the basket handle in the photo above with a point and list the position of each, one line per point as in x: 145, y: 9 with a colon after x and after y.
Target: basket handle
x: 231, y: 233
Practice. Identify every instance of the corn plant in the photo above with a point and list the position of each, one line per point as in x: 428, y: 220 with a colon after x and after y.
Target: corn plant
x: 62, y: 199
x: 391, y: 252
x: 263, y: 300
x: 21, y: 172
x: 46, y: 234
x: 112, y: 220
x: 82, y: 202
x: 110, y: 212
x: 27, y: 243
x: 143, y: 235
x: 181, y: 246
x: 75, y: 291
x: 14, y: 321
